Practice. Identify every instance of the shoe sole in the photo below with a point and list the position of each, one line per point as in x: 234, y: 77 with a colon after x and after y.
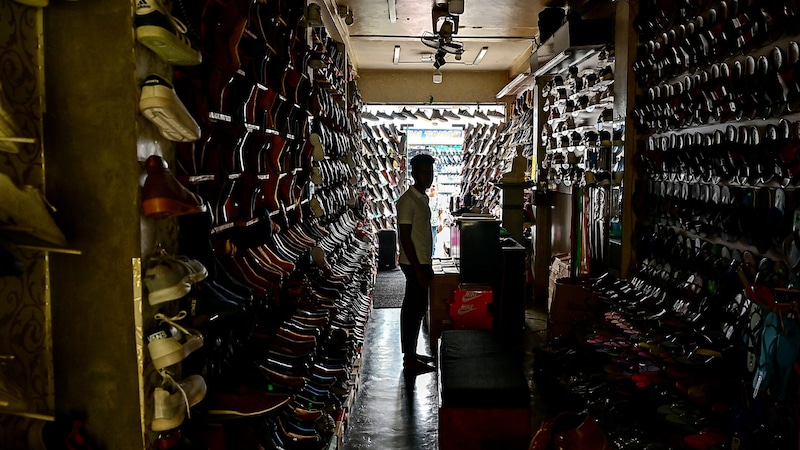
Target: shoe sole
x: 170, y: 293
x: 168, y: 423
x: 161, y: 105
x: 165, y: 352
x: 167, y: 46
x: 161, y: 208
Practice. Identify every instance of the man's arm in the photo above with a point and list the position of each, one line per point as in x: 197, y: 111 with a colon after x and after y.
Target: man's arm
x: 404, y: 231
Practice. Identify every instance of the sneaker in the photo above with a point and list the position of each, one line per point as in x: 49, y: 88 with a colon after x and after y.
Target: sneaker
x: 480, y: 115
x: 437, y: 115
x: 9, y: 132
x: 165, y: 35
x: 170, y: 408
x: 25, y: 210
x: 369, y: 116
x: 450, y: 115
x: 160, y: 104
x: 416, y: 367
x: 464, y: 113
x: 170, y: 277
x: 170, y: 343
x: 163, y: 195
x: 498, y: 114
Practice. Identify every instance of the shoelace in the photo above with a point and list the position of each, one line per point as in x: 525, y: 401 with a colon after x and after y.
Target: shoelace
x: 173, y: 321
x: 168, y: 378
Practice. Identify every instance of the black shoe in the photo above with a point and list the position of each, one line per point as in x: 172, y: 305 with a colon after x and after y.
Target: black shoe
x: 416, y: 367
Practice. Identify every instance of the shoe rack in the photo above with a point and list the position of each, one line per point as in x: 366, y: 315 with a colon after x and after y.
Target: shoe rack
x: 285, y: 232
x: 28, y: 233
x: 486, y: 158
x: 582, y: 154
x: 382, y: 178
x: 716, y: 124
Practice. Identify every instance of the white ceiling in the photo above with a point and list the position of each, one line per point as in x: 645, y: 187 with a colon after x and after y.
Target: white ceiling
x: 506, y: 27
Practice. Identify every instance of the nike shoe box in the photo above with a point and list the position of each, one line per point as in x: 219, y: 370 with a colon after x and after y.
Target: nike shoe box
x: 470, y: 307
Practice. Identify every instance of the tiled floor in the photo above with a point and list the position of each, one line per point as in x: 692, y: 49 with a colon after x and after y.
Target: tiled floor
x: 393, y: 411
x: 397, y: 412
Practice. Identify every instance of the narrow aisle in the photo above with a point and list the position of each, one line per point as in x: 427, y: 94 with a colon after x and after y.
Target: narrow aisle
x: 392, y: 411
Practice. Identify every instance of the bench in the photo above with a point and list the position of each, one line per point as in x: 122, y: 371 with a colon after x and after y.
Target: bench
x: 484, y: 398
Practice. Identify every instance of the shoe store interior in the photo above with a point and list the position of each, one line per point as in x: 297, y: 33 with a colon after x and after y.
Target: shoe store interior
x: 201, y: 245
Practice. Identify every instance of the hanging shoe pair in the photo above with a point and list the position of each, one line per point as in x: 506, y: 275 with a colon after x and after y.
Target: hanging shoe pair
x: 25, y: 211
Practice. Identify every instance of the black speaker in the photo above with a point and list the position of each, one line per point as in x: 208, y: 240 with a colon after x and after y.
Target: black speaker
x: 387, y: 249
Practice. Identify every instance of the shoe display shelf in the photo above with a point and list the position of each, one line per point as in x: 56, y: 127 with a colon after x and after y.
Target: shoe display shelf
x: 381, y: 178
x: 277, y: 322
x: 448, y: 170
x: 29, y: 227
x: 520, y: 129
x: 486, y: 159
x: 578, y: 105
x: 716, y: 139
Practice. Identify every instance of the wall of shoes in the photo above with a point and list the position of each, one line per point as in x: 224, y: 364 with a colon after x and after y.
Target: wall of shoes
x: 713, y: 291
x: 28, y: 234
x: 382, y: 181
x: 583, y: 146
x: 259, y: 342
x: 486, y: 158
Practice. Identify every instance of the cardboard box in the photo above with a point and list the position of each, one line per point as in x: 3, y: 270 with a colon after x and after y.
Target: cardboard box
x: 559, y: 268
x: 573, y: 305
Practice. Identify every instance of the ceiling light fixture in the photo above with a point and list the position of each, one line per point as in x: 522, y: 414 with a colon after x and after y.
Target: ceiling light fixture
x: 437, y: 76
x: 392, y: 11
x: 512, y: 85
x: 480, y: 56
x: 396, y: 55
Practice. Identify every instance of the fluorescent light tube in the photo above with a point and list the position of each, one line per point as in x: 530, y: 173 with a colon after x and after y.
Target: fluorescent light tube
x: 392, y: 11
x: 480, y: 56
x: 396, y: 56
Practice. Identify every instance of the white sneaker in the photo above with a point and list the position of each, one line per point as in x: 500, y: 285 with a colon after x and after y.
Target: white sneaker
x: 160, y: 104
x: 165, y: 35
x: 170, y: 343
x: 170, y: 277
x: 25, y: 210
x: 171, y: 408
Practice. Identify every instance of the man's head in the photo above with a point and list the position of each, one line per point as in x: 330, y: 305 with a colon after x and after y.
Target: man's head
x: 422, y: 171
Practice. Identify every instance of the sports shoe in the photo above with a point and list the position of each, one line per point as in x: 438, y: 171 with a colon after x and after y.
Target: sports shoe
x: 171, y: 408
x: 437, y: 115
x: 450, y: 115
x: 415, y: 366
x: 480, y: 115
x: 160, y: 104
x: 464, y: 113
x: 170, y: 343
x: 25, y: 210
x: 170, y: 277
x: 9, y: 132
x: 163, y: 195
x: 165, y: 35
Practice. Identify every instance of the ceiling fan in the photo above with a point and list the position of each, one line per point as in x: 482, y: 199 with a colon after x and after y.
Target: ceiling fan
x: 439, y: 43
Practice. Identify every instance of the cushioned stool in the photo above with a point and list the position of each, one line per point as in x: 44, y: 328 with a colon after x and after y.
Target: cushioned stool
x: 484, y: 399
